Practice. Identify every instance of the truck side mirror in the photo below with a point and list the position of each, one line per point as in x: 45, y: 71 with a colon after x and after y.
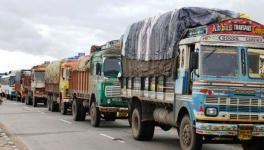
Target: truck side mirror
x: 195, y: 60
x: 98, y: 69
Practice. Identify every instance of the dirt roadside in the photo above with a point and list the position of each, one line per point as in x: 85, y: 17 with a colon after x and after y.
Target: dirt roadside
x: 8, y: 139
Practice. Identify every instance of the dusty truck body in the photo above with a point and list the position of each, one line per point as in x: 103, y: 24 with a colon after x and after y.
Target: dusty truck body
x: 95, y: 86
x: 57, y: 85
x: 205, y: 78
x: 36, y: 91
x: 19, y: 84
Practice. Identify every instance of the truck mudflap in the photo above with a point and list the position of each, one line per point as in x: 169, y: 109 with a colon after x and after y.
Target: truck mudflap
x: 121, y: 112
x: 242, y: 131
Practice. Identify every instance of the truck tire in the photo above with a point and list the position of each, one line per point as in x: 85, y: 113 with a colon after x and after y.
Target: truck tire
x: 78, y: 111
x: 48, y: 102
x: 143, y: 131
x: 129, y: 115
x: 34, y: 101
x: 110, y: 116
x: 189, y: 140
x: 95, y: 115
x: 45, y: 102
x: 252, y: 145
x: 165, y: 127
x: 27, y: 100
x: 63, y: 109
x: 53, y: 106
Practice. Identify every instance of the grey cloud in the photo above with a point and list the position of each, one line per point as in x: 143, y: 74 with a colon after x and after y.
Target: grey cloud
x: 60, y: 28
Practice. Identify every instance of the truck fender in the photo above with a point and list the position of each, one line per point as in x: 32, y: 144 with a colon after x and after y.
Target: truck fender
x: 183, y: 109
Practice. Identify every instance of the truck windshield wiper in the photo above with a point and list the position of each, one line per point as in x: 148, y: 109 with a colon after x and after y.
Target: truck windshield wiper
x: 210, y: 54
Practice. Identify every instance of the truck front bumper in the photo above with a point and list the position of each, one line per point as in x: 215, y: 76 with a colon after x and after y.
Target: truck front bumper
x: 121, y: 112
x: 221, y: 129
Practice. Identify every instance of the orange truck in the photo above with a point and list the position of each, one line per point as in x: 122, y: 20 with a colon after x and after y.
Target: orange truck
x: 36, y: 87
x: 20, y: 88
x: 57, y: 85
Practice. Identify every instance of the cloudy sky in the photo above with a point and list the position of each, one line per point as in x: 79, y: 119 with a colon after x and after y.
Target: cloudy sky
x: 32, y: 31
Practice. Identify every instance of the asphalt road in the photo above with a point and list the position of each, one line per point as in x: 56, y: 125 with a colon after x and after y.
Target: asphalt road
x: 40, y: 129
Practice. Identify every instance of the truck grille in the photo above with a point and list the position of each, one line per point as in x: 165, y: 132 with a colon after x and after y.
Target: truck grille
x: 243, y: 117
x: 112, y: 91
x: 236, y: 106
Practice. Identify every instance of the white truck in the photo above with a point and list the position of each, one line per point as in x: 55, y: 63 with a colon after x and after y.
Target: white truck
x: 8, y: 86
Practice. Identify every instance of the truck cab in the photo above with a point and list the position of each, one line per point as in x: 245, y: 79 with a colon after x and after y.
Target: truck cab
x: 220, y: 81
x: 37, y: 92
x: 8, y: 85
x: 104, y: 86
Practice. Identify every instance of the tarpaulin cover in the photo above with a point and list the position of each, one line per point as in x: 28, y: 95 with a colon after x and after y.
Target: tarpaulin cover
x: 52, y: 74
x: 83, y: 63
x: 156, y: 38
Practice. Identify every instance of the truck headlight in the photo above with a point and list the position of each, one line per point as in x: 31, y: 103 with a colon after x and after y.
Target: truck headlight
x: 211, y: 111
x: 109, y: 101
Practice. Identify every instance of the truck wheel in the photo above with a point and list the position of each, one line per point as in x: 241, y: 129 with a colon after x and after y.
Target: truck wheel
x: 78, y: 111
x: 45, y: 102
x: 95, y: 115
x: 26, y: 100
x: 63, y: 108
x: 189, y: 140
x: 53, y: 106
x: 129, y: 115
x: 165, y: 127
x: 110, y: 116
x: 34, y: 101
x: 252, y: 145
x: 141, y: 130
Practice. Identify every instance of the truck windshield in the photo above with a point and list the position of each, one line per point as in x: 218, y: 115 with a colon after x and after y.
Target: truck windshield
x: 12, y: 81
x: 219, y: 61
x: 256, y: 63
x: 111, y: 67
x: 39, y: 76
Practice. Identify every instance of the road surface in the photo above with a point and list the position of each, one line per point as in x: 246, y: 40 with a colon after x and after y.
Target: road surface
x: 40, y: 129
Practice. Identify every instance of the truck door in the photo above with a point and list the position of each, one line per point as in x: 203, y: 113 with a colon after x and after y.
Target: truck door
x: 183, y: 80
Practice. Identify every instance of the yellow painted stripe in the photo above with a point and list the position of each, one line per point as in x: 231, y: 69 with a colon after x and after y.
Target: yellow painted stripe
x: 229, y: 120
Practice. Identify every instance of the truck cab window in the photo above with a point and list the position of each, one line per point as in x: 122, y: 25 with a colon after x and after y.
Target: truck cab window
x: 256, y: 63
x: 98, y: 69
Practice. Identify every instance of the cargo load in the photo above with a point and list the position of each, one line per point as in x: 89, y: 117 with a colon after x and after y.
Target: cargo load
x: 150, y: 45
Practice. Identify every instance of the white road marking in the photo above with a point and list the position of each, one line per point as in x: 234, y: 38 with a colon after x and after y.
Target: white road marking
x: 112, y: 138
x: 65, y: 121
x: 107, y: 136
x: 121, y: 141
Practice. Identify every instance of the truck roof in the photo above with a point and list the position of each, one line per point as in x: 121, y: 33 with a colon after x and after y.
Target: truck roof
x: 41, y: 67
x: 69, y: 64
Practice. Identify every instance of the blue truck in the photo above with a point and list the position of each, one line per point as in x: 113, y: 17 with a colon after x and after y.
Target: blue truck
x: 209, y: 85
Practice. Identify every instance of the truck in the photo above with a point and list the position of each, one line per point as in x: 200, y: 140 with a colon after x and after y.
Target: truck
x: 8, y: 85
x: 95, y: 87
x: 57, y: 85
x: 35, y: 88
x: 19, y: 84
x: 197, y: 70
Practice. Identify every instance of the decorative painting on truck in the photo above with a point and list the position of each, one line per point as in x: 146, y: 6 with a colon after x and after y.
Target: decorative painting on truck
x: 240, y: 26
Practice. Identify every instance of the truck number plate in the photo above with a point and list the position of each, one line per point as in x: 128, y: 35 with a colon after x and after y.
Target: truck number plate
x: 122, y: 114
x: 245, y: 132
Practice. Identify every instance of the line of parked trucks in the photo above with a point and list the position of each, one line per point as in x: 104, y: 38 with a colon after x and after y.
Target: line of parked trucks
x: 197, y: 70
